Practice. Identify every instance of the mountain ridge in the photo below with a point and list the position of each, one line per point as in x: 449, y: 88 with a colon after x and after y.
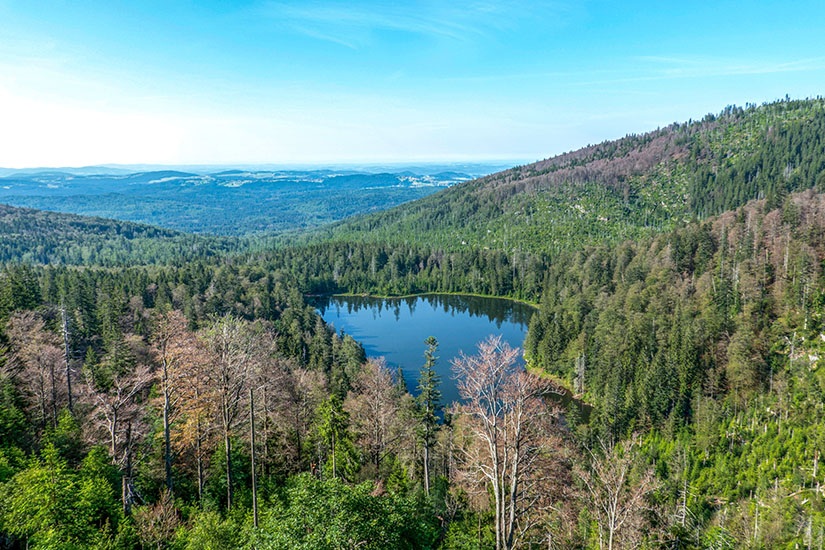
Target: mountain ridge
x: 620, y: 189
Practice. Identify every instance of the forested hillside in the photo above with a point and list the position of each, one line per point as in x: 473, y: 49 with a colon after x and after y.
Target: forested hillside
x: 164, y: 392
x: 702, y: 346
x: 618, y: 190
x: 40, y: 237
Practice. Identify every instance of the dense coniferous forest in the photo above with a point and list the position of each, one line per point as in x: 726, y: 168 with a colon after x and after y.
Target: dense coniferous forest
x: 39, y: 237
x: 618, y: 190
x: 181, y: 393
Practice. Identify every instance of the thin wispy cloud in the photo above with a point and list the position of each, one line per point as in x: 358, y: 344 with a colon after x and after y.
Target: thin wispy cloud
x: 354, y: 24
x: 312, y: 33
x: 653, y: 68
x: 700, y: 67
x: 321, y: 79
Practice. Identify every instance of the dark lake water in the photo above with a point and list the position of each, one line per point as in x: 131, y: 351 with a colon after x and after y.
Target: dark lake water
x: 396, y: 328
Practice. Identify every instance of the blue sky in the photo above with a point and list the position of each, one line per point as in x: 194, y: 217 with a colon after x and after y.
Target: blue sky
x: 329, y: 81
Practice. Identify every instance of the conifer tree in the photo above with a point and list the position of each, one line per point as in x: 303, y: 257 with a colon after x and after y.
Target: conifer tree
x: 429, y: 404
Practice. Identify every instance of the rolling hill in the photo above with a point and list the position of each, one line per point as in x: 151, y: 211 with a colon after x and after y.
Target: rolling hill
x: 230, y: 202
x: 617, y: 190
x: 40, y: 237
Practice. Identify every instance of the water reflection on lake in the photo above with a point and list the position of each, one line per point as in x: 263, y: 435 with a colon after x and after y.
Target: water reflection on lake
x: 396, y: 328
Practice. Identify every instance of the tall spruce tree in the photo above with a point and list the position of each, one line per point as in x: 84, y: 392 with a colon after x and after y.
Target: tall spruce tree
x: 429, y: 404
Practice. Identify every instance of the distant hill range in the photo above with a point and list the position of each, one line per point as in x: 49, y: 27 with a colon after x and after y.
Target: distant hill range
x: 227, y: 202
x: 619, y: 190
x: 616, y: 190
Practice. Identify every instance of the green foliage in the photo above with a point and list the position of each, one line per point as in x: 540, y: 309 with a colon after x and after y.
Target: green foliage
x: 469, y: 533
x: 211, y: 532
x: 14, y: 426
x: 53, y: 506
x: 705, y: 336
x: 619, y: 190
x: 429, y: 396
x: 333, y: 431
x: 67, y: 438
x: 38, y: 237
x: 330, y: 515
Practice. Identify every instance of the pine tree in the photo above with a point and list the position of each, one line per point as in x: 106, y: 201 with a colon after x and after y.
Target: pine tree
x: 429, y: 404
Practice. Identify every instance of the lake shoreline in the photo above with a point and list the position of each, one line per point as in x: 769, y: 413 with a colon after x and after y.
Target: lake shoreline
x: 419, y: 295
x: 557, y: 381
x: 397, y: 327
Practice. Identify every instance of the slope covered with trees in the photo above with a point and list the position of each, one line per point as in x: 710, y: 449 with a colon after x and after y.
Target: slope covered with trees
x: 618, y: 190
x: 200, y: 402
x: 40, y: 237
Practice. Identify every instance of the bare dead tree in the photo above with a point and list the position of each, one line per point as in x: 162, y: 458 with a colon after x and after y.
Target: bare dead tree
x: 36, y: 355
x: 305, y: 392
x: 506, y: 419
x: 156, y: 523
x: 115, y: 404
x: 373, y: 407
x: 232, y: 342
x: 178, y: 353
x: 617, y: 497
x: 67, y: 355
x: 195, y: 429
x: 265, y: 370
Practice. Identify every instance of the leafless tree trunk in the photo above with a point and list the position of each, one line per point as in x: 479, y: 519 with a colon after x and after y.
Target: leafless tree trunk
x: 373, y: 407
x: 179, y: 353
x: 67, y: 356
x: 116, y: 403
x: 507, y: 421
x: 232, y: 342
x: 252, y: 449
x: 617, y: 500
x: 35, y: 357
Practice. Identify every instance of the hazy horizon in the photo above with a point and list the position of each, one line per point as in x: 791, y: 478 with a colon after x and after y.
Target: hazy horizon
x: 469, y: 166
x: 328, y: 82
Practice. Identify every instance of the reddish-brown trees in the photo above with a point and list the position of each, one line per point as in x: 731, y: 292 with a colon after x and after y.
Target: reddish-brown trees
x: 36, y: 360
x: 373, y: 409
x: 179, y: 355
x: 232, y: 343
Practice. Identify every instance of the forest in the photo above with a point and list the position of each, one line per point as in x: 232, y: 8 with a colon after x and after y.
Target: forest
x: 181, y: 393
x: 620, y: 190
x: 229, y: 202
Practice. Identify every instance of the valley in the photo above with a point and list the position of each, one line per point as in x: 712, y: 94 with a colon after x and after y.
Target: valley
x: 228, y: 202
x: 679, y: 283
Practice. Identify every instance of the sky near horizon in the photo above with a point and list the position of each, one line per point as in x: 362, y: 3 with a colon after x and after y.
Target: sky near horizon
x: 216, y: 82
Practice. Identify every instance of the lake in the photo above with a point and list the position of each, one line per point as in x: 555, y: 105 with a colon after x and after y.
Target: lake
x: 395, y: 328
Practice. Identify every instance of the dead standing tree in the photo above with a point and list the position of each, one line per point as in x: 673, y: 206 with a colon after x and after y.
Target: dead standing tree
x: 232, y: 342
x: 373, y: 407
x: 618, y: 493
x: 114, y: 404
x: 179, y: 355
x: 197, y: 409
x: 265, y: 372
x: 507, y: 421
x: 305, y: 391
x: 36, y: 356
